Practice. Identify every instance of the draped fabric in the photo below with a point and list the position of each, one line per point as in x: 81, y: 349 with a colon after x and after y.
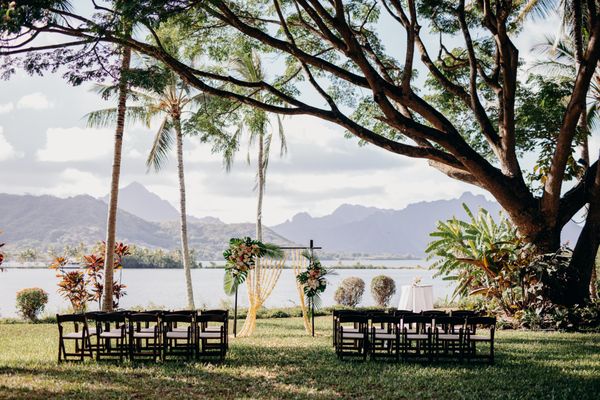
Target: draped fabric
x: 262, y: 280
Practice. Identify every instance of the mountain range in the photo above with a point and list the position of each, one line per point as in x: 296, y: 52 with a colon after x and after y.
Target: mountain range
x: 358, y: 229
x: 147, y: 220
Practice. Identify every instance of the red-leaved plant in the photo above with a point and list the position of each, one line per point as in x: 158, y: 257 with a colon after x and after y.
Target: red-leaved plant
x: 94, y: 268
x: 86, y: 283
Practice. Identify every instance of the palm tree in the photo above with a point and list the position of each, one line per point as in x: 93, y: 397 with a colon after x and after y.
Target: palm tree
x: 111, y: 224
x: 169, y: 103
x: 255, y: 122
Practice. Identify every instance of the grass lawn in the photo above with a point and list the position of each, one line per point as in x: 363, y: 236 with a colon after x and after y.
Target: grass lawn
x: 281, y: 362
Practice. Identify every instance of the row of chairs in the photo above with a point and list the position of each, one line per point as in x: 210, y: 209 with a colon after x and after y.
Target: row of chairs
x: 402, y: 334
x: 149, y: 335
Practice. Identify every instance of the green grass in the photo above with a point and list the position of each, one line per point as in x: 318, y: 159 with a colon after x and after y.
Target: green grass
x: 282, y: 362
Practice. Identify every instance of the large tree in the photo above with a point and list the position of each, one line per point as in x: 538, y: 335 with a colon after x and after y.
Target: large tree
x: 336, y: 67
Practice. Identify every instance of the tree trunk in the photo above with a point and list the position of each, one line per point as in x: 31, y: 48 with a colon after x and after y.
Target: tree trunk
x: 185, y: 251
x: 261, y: 184
x: 584, y: 254
x: 111, y: 225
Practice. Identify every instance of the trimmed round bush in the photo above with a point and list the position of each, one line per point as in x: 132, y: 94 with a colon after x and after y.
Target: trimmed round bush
x: 382, y: 289
x: 31, y: 302
x: 350, y: 291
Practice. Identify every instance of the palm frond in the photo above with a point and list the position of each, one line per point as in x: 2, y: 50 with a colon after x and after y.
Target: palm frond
x: 161, y: 146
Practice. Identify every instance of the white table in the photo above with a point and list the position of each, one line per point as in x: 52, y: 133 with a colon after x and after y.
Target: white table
x: 416, y: 298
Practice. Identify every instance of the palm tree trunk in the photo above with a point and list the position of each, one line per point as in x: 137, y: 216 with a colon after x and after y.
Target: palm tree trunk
x: 261, y: 184
x: 183, y: 214
x: 111, y: 225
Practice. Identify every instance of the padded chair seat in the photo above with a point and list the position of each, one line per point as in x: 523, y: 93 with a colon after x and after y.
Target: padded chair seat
x: 74, y: 335
x: 417, y: 336
x: 209, y: 335
x: 148, y: 330
x: 112, y: 334
x: 386, y: 336
x: 177, y: 335
x: 353, y: 335
x: 212, y: 329
x: 480, y: 338
x: 180, y: 329
x: 92, y: 331
x: 143, y: 335
x: 448, y: 336
x: 349, y: 329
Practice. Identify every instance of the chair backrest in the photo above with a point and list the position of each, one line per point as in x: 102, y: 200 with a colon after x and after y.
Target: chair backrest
x: 110, y: 317
x: 353, y: 318
x: 71, y: 318
x: 463, y: 313
x: 385, y: 319
x: 400, y: 313
x: 434, y: 312
x: 202, y: 318
x: 485, y: 322
x: 337, y: 313
x: 172, y: 317
x: 92, y: 314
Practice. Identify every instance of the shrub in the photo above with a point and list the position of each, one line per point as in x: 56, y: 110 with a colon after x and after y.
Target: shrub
x: 31, y: 302
x: 350, y: 291
x: 382, y: 289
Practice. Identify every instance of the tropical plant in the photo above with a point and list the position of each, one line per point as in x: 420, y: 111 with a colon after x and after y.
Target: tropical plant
x: 72, y: 285
x: 382, y: 289
x: 350, y: 291
x: 93, y: 265
x: 241, y: 257
x: 483, y: 256
x: 31, y: 302
x: 167, y: 99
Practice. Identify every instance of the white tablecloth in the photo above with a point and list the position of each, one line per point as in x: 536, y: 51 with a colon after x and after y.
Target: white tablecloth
x: 416, y: 298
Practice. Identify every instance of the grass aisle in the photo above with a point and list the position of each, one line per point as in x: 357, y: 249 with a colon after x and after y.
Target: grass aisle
x: 281, y: 362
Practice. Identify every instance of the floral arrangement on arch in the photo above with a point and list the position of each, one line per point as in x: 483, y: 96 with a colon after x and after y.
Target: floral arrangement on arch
x: 1, y: 255
x: 240, y: 258
x: 313, y: 279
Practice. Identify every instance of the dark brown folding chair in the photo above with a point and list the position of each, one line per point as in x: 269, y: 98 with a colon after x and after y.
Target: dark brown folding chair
x: 384, y: 340
x: 352, y: 336
x: 336, y: 314
x: 111, y: 335
x: 449, y: 337
x: 416, y: 331
x: 179, y: 334
x: 434, y: 313
x: 144, y: 336
x: 80, y: 336
x: 224, y: 314
x: 480, y: 330
x: 211, y: 336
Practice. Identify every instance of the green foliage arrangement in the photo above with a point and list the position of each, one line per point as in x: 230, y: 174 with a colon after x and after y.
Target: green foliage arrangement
x: 350, y: 292
x: 241, y: 258
x: 313, y: 280
x: 382, y: 289
x: 31, y: 302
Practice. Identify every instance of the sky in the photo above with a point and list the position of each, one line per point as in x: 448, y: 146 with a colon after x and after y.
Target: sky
x: 46, y: 148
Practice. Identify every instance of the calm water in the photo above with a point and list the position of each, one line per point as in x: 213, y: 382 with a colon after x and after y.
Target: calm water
x: 165, y: 288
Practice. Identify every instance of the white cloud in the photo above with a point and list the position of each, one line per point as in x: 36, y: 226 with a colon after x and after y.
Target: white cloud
x: 34, y: 101
x: 6, y: 107
x: 134, y: 154
x: 7, y: 151
x: 75, y: 144
x: 74, y: 182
